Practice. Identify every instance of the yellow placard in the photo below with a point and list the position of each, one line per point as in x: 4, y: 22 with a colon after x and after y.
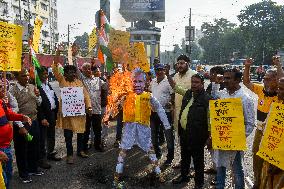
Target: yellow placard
x: 10, y: 47
x: 36, y: 35
x: 271, y: 147
x: 119, y: 45
x: 227, y: 124
x: 138, y: 56
x: 2, y: 183
x: 93, y: 39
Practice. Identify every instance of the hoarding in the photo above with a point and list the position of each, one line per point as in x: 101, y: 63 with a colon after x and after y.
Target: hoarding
x: 133, y: 10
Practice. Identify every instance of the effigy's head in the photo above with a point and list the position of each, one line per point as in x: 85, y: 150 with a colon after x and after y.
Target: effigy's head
x: 139, y: 80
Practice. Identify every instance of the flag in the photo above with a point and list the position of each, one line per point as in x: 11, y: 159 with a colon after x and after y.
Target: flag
x: 104, y: 54
x: 37, y: 67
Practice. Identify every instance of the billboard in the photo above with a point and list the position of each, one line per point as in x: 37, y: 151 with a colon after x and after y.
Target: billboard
x: 133, y: 10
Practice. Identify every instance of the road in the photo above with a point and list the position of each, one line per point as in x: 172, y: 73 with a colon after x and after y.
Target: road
x: 97, y: 170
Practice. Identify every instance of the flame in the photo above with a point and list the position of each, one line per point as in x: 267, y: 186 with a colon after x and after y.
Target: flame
x: 120, y: 84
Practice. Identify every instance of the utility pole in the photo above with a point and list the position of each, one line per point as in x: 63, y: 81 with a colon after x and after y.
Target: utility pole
x: 68, y: 34
x: 189, y: 43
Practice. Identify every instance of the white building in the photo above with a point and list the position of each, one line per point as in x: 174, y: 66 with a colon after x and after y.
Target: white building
x: 25, y: 12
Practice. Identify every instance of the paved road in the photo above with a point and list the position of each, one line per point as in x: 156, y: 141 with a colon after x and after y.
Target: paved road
x: 97, y: 170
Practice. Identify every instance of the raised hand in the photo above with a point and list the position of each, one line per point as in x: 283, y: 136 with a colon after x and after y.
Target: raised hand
x: 248, y: 62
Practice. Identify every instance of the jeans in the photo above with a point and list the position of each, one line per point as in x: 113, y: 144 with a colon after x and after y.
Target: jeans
x: 7, y: 166
x: 68, y: 134
x: 156, y: 127
x: 119, y: 125
x: 238, y: 174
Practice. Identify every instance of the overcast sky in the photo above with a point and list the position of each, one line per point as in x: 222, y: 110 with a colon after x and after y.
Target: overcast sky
x: 177, y: 14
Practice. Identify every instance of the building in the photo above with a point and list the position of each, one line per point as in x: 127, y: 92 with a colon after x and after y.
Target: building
x: 24, y: 12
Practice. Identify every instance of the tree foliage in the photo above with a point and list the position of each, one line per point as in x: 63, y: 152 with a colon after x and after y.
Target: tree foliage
x: 83, y: 42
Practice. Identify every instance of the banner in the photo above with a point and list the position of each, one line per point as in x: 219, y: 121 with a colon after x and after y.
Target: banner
x: 10, y: 47
x: 36, y: 35
x: 138, y: 57
x: 227, y: 124
x: 93, y: 39
x: 119, y: 45
x: 271, y: 147
x: 73, y: 103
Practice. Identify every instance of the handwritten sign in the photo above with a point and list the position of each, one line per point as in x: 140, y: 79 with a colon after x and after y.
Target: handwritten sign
x: 93, y: 39
x: 138, y: 57
x: 36, y: 35
x: 227, y: 124
x: 73, y: 103
x: 119, y: 45
x: 271, y: 147
x: 10, y: 47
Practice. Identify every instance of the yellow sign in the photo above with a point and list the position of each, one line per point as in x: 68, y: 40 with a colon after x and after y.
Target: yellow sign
x: 93, y: 39
x: 36, y: 35
x: 138, y: 56
x: 119, y: 45
x: 227, y: 124
x: 2, y: 183
x: 10, y: 47
x: 271, y: 147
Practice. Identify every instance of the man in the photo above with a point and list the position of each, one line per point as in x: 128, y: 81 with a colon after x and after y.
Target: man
x: 163, y: 92
x: 260, y: 72
x: 272, y: 176
x: 94, y: 86
x: 136, y: 117
x: 6, y: 134
x: 225, y: 159
x: 193, y: 128
x: 183, y: 79
x: 47, y: 120
x: 267, y: 93
x: 27, y: 152
x: 75, y: 123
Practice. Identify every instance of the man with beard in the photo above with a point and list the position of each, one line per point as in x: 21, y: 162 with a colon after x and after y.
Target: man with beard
x: 267, y: 93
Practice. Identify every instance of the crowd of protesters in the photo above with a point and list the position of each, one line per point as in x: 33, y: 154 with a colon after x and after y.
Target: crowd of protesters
x: 30, y: 115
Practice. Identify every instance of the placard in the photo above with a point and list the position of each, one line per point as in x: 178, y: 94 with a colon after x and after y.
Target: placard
x: 138, y: 57
x: 10, y: 47
x: 227, y: 124
x: 36, y: 35
x: 271, y: 147
x: 73, y: 103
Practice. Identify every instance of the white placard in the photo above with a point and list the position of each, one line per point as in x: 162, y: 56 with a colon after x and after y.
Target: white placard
x: 72, y: 101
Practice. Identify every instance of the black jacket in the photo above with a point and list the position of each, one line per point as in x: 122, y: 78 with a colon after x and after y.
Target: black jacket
x: 44, y: 109
x: 196, y: 133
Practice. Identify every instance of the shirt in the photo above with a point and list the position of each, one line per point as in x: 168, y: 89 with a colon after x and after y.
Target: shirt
x: 264, y: 101
x: 225, y: 157
x: 50, y: 95
x: 162, y: 92
x: 183, y: 81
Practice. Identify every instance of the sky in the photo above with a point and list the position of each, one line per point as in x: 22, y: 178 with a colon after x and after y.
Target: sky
x: 81, y: 15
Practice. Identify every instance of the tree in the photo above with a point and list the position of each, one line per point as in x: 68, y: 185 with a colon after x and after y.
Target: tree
x: 83, y: 42
x: 213, y: 41
x: 262, y: 25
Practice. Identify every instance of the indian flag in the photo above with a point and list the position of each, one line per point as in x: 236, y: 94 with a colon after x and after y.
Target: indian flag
x: 37, y: 67
x: 104, y: 54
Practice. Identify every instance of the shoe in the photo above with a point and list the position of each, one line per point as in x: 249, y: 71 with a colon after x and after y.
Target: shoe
x: 26, y: 180
x: 99, y: 149
x: 116, y: 144
x: 36, y: 173
x: 69, y: 160
x: 210, y: 171
x: 82, y: 154
x: 180, y: 179
x: 43, y: 164
x: 168, y: 162
x: 53, y: 157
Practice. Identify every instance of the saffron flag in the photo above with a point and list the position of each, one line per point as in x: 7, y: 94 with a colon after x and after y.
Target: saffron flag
x: 227, y: 124
x: 93, y: 39
x: 271, y: 147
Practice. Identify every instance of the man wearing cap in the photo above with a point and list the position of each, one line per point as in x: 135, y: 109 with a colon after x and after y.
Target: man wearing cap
x: 163, y: 92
